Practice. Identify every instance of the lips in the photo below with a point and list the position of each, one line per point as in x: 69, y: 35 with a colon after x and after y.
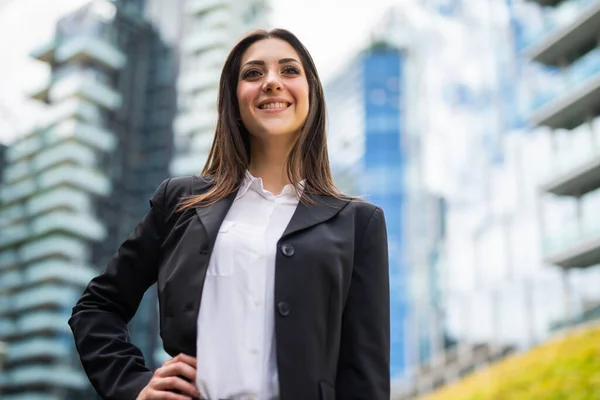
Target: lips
x: 274, y: 106
x: 274, y: 103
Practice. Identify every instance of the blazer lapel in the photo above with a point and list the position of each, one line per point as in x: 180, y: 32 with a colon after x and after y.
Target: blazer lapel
x: 212, y: 216
x: 307, y: 215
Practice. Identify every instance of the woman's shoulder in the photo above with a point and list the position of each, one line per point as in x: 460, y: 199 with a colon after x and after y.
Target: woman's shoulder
x: 359, y: 207
x: 173, y: 189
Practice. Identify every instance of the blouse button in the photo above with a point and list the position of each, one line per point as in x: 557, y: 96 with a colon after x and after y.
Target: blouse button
x: 287, y: 250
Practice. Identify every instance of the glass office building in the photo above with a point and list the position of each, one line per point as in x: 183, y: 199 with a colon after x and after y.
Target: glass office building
x: 365, y: 141
x: 76, y: 185
x: 469, y: 247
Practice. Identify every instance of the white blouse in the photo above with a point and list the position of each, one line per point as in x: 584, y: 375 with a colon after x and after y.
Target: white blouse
x: 236, y: 342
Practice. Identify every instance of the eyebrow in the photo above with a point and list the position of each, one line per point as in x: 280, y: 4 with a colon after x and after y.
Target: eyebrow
x: 282, y: 61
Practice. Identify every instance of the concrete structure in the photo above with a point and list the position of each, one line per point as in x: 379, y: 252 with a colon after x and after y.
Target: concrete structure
x: 75, y: 187
x: 567, y: 50
x: 210, y: 29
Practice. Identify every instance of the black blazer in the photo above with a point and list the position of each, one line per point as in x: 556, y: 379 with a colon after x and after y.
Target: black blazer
x: 332, y: 323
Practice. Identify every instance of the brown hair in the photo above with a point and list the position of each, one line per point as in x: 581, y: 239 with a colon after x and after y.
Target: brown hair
x: 229, y: 155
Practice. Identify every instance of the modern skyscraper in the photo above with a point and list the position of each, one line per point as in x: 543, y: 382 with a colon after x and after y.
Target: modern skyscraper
x: 75, y: 187
x: 365, y: 140
x: 211, y: 28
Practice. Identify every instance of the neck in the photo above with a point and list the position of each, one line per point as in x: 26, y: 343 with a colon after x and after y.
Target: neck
x: 268, y: 162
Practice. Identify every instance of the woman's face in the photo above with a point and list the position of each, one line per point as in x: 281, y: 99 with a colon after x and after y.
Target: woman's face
x: 272, y: 89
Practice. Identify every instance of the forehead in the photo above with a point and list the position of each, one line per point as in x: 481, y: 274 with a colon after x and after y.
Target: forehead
x: 269, y: 50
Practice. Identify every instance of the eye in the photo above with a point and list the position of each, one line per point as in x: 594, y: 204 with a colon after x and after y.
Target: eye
x: 251, y: 73
x: 290, y: 70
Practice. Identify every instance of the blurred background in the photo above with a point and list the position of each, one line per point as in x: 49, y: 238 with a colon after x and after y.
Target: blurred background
x: 474, y: 124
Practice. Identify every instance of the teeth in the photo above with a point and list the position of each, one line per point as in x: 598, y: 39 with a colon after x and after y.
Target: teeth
x: 273, y: 105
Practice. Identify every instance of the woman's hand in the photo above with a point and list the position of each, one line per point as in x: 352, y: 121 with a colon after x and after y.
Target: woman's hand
x: 173, y: 377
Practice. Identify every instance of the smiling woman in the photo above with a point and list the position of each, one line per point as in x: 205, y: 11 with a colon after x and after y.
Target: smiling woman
x: 272, y: 284
x: 262, y: 72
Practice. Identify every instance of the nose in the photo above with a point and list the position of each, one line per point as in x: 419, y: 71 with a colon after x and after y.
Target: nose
x: 272, y: 82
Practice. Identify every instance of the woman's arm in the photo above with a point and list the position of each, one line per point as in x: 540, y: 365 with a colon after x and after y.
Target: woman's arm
x: 364, y: 363
x: 99, y: 320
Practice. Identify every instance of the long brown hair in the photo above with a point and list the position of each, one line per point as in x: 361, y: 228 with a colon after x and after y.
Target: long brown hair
x: 229, y: 155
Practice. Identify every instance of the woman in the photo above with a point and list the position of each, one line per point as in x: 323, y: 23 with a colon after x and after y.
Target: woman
x: 271, y: 284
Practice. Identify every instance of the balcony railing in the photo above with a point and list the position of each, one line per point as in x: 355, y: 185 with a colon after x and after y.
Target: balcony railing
x: 86, y: 179
x: 193, y: 7
x: 576, y: 243
x: 15, y: 172
x: 8, y: 259
x: 199, y: 80
x: 574, y: 96
x: 90, y: 180
x: 74, y: 108
x: 193, y: 122
x: 59, y: 198
x: 45, y: 272
x: 88, y: 134
x: 23, y: 148
x: 17, y: 191
x: 52, y: 376
x: 568, y: 29
x: 91, y: 49
x: 44, y: 297
x: 578, y: 181
x: 54, y: 246
x: 7, y: 329
x: 37, y: 349
x: 202, y: 41
x: 89, y: 89
x: 58, y: 271
x: 71, y: 153
x: 46, y: 321
x: 10, y: 280
x: 80, y: 225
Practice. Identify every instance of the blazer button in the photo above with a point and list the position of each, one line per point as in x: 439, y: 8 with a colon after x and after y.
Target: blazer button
x: 287, y: 250
x: 283, y: 308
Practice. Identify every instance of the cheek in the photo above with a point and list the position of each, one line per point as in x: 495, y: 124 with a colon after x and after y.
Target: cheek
x: 301, y: 94
x: 245, y: 99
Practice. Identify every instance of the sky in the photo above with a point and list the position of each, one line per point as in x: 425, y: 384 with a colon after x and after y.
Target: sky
x: 332, y: 30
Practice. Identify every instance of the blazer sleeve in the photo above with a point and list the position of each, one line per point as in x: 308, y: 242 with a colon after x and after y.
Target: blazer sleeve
x: 114, y: 366
x: 364, y: 361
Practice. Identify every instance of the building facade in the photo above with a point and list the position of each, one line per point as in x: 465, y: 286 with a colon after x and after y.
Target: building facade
x: 519, y: 248
x: 365, y: 142
x: 210, y: 29
x: 565, y: 48
x: 76, y: 185
x: 470, y: 246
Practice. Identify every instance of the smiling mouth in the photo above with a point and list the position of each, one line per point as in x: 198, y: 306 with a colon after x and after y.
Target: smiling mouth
x: 274, y: 106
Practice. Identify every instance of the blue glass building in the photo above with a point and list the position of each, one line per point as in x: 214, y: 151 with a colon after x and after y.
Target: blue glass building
x: 383, y: 179
x: 365, y: 138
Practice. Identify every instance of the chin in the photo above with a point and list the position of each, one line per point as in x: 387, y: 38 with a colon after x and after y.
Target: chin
x: 276, y: 131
